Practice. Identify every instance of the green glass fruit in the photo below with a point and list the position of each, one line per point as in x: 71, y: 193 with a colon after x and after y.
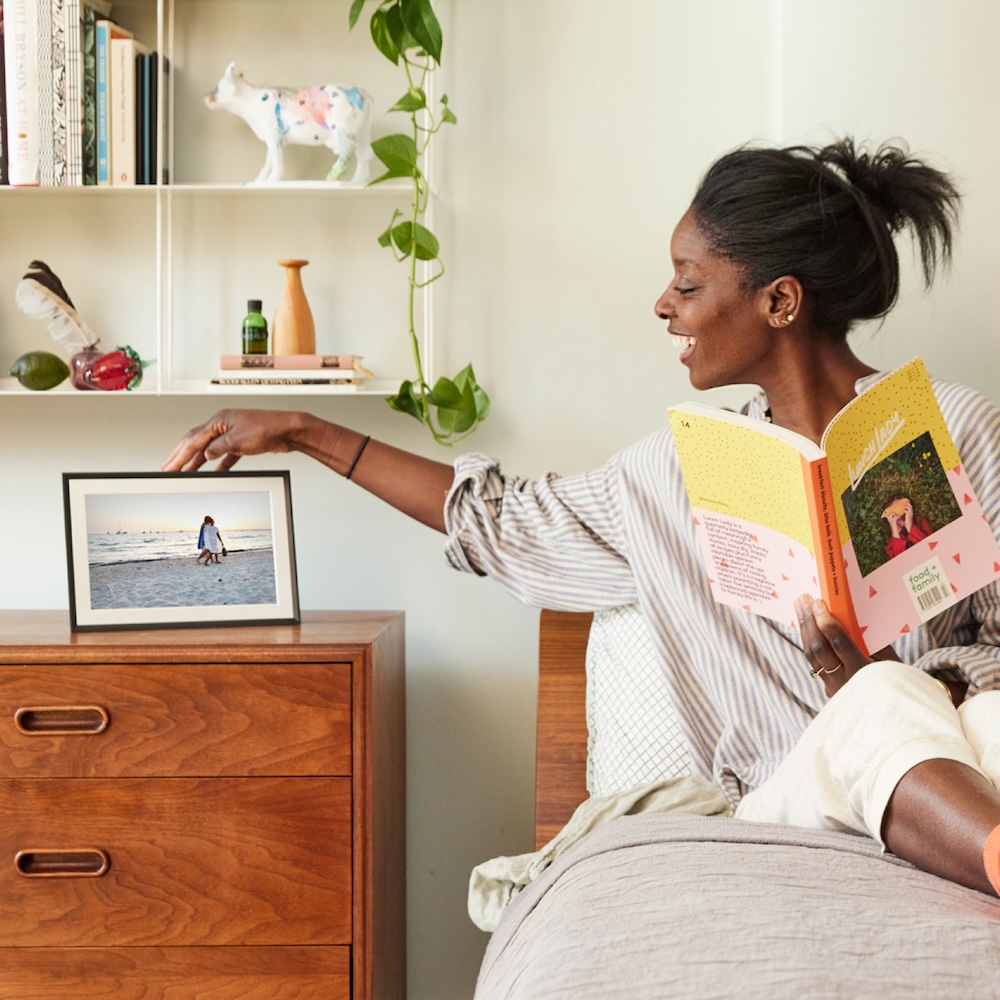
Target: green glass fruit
x: 39, y: 370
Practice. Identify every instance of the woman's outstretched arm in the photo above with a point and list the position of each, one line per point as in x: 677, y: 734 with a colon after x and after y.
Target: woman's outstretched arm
x: 415, y: 485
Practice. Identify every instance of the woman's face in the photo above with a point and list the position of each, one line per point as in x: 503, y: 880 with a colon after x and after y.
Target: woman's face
x: 722, y: 330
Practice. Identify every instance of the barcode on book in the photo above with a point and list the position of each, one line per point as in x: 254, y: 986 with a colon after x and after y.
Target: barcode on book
x: 930, y: 589
x: 931, y: 598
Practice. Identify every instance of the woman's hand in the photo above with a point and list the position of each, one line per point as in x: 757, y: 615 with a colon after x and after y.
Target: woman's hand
x: 229, y: 435
x: 832, y: 653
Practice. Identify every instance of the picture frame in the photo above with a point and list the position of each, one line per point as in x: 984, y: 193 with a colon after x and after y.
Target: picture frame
x: 140, y: 552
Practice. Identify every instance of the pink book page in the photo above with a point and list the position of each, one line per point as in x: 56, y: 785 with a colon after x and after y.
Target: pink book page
x: 919, y: 582
x: 754, y: 567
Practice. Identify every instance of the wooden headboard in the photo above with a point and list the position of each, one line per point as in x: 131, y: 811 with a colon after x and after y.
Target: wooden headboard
x: 561, y: 746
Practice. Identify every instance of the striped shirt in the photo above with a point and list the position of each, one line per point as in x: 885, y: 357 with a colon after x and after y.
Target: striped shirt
x: 623, y: 534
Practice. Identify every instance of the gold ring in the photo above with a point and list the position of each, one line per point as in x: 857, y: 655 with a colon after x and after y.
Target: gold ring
x: 816, y: 673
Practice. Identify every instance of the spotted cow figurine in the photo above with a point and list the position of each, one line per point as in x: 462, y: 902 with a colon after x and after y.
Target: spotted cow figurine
x: 337, y: 116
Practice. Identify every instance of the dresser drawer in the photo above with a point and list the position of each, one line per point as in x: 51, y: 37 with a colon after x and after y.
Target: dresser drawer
x: 214, y: 861
x: 110, y: 720
x: 175, y: 973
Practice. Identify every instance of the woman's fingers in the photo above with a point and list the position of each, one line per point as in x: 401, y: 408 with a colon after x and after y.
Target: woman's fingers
x: 227, y: 436
x: 833, y: 656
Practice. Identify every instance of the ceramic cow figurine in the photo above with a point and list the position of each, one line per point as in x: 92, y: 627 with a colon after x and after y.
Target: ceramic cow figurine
x: 337, y: 116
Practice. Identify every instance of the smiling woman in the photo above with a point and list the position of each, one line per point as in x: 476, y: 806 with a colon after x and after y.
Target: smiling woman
x: 780, y: 253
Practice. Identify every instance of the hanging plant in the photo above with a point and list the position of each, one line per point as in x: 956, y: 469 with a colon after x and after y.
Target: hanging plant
x: 408, y: 33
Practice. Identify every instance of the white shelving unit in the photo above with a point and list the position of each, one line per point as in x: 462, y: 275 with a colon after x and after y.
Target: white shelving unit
x: 168, y: 268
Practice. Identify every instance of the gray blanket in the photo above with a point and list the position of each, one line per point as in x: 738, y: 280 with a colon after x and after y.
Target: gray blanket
x: 703, y: 907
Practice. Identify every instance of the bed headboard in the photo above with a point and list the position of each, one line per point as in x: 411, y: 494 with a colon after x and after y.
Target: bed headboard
x: 561, y: 744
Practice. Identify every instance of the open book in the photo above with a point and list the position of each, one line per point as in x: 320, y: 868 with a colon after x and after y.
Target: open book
x: 880, y: 520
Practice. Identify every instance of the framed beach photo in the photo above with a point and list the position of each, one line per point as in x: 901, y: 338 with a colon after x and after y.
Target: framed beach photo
x: 176, y: 549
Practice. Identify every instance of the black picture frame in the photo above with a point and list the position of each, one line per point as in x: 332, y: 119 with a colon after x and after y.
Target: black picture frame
x: 133, y: 556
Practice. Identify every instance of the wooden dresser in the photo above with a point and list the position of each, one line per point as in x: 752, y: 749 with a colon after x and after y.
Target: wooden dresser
x: 202, y: 812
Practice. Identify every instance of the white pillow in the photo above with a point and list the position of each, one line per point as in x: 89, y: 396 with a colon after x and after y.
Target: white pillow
x: 634, y: 733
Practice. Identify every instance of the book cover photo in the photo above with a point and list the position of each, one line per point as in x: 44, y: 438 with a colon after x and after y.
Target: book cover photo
x: 880, y: 519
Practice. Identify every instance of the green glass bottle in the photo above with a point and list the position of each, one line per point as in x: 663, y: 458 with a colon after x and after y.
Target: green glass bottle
x: 254, y: 329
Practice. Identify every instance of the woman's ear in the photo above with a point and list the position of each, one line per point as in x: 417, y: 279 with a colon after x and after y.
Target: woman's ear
x: 783, y: 301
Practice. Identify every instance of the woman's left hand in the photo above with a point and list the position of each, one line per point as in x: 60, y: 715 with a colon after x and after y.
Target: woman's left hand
x: 831, y: 652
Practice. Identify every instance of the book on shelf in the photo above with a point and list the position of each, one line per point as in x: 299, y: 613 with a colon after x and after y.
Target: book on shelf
x: 4, y: 179
x: 79, y: 17
x: 44, y: 52
x: 292, y: 361
x: 20, y: 44
x: 235, y: 380
x: 880, y: 519
x: 106, y: 30
x: 270, y: 374
x: 124, y: 112
x: 145, y: 132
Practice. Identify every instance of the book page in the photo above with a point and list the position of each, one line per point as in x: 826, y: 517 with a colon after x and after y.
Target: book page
x: 751, y: 516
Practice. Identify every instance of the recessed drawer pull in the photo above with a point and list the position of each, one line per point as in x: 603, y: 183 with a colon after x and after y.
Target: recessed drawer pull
x: 62, y: 720
x: 89, y: 863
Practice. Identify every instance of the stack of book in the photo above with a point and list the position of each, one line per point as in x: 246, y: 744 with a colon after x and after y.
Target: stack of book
x: 78, y: 97
x: 344, y: 371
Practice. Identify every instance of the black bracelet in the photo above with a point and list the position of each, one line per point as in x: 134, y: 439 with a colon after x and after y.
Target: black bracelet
x: 364, y: 444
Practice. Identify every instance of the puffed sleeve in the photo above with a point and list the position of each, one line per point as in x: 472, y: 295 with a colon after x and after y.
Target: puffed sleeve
x: 555, y: 542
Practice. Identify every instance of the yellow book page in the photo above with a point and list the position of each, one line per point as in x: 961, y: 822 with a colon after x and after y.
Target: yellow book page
x: 742, y: 471
x: 894, y: 412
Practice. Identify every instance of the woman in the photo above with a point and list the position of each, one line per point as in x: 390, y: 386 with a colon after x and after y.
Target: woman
x: 209, y: 541
x: 780, y: 253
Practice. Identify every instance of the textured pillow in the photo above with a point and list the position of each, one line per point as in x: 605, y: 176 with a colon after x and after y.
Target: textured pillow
x: 634, y: 733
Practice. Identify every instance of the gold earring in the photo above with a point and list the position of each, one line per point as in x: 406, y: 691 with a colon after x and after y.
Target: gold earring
x: 790, y: 317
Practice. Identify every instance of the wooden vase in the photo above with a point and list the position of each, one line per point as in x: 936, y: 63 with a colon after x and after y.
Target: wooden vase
x: 292, y: 330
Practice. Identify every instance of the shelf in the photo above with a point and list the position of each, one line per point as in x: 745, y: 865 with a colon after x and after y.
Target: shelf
x: 168, y: 268
x: 198, y: 387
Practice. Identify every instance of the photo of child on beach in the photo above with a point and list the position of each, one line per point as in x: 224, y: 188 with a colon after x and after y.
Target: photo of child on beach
x: 162, y: 550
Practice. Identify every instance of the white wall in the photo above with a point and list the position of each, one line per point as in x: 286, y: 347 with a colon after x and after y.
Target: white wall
x: 583, y: 128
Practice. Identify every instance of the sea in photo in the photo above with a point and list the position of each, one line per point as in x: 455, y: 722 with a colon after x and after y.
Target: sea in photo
x: 142, y: 551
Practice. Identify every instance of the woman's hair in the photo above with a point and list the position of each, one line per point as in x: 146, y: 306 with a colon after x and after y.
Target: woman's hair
x: 828, y: 216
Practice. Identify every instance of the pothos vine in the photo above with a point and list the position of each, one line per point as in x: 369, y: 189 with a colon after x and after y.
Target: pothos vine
x: 408, y: 33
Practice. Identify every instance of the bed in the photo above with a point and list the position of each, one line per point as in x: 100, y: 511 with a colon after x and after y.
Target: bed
x: 668, y: 905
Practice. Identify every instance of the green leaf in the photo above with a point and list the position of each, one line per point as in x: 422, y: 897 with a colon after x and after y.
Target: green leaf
x: 466, y: 377
x: 413, y: 100
x: 401, y: 37
x: 356, y: 7
x: 406, y: 400
x: 456, y: 406
x: 382, y: 37
x: 399, y: 154
x: 447, y: 115
x: 423, y: 25
x: 424, y: 244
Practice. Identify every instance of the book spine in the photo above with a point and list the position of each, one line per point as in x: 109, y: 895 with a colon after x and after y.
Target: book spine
x: 163, y: 137
x: 150, y: 90
x: 88, y: 51
x: 279, y: 381
x: 281, y: 362
x: 271, y: 374
x: 74, y: 93
x: 140, y: 111
x: 102, y: 48
x: 60, y: 93
x: 45, y: 94
x: 4, y: 177
x: 123, y: 111
x: 21, y: 78
x: 831, y: 573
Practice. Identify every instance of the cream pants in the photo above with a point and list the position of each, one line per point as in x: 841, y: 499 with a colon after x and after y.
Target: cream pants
x: 887, y: 719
